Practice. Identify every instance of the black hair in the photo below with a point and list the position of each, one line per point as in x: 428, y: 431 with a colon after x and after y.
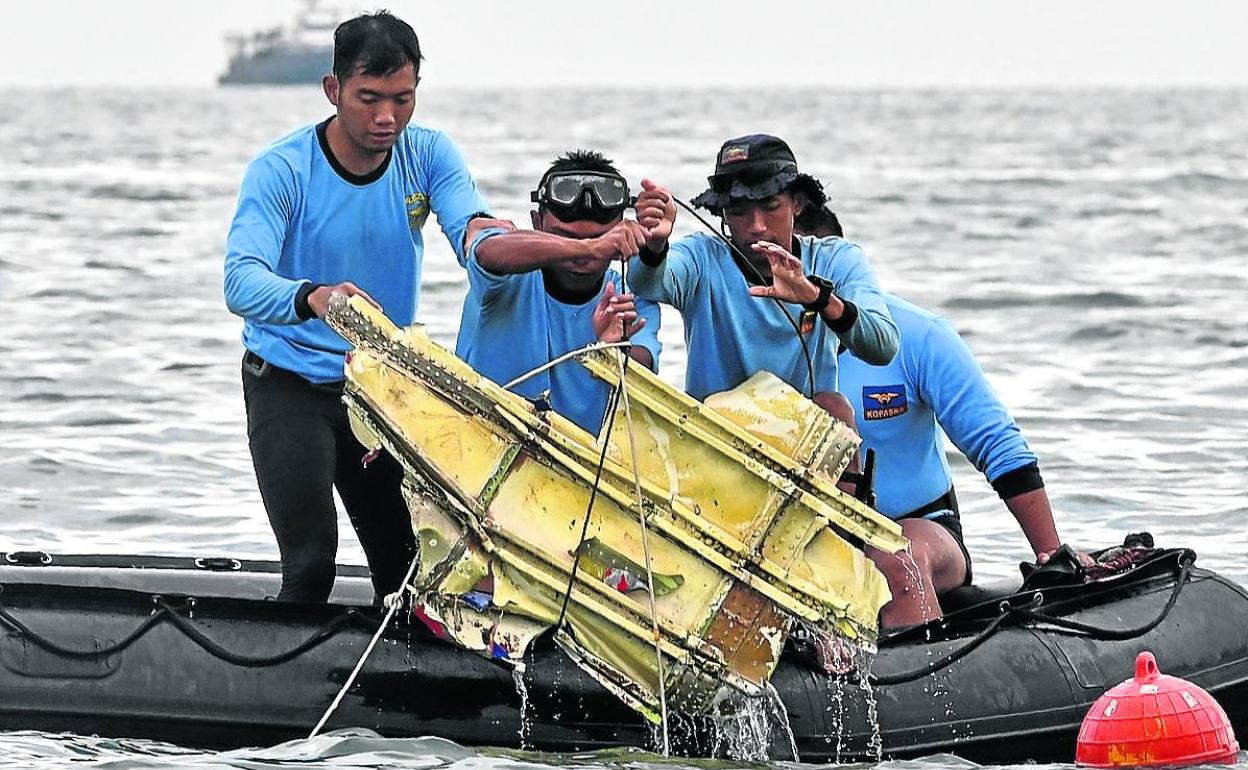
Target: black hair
x: 819, y: 221
x: 807, y: 188
x: 582, y: 160
x: 374, y: 44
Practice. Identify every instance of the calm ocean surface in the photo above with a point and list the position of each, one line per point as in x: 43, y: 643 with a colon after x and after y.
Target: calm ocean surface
x: 1092, y: 247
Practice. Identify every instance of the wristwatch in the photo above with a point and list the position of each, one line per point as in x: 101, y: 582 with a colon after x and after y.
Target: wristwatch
x: 825, y: 293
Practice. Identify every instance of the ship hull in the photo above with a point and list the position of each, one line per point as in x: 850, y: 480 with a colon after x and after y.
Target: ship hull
x: 279, y: 68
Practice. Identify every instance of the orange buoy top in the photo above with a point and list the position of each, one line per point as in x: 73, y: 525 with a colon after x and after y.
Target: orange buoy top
x: 1155, y: 720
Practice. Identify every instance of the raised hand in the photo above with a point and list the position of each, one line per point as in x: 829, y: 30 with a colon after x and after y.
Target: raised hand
x: 620, y: 242
x: 656, y: 212
x: 788, y: 278
x: 615, y: 317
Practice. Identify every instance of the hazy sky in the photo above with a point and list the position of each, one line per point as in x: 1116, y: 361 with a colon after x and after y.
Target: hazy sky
x: 642, y: 43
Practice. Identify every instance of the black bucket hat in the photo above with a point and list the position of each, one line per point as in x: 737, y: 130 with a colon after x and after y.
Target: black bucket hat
x: 755, y: 167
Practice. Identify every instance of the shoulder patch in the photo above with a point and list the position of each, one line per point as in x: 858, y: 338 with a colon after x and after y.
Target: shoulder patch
x: 882, y: 402
x: 417, y: 209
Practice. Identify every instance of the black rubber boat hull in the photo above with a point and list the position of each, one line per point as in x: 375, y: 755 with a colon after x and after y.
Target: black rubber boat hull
x: 1019, y: 694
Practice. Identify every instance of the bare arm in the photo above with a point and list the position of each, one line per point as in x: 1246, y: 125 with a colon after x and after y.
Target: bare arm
x: 1035, y: 518
x: 522, y: 251
x: 641, y: 356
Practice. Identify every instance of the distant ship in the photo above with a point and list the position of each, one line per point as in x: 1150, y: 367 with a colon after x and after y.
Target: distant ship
x: 297, y: 54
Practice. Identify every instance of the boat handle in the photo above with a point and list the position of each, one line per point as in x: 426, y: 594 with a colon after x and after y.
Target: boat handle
x: 28, y: 558
x: 219, y: 564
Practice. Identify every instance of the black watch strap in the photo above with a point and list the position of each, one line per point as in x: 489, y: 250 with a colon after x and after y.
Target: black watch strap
x: 825, y: 294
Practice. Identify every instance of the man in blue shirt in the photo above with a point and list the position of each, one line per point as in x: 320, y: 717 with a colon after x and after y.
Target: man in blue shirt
x: 534, y: 296
x: 762, y: 299
x: 934, y: 381
x: 337, y: 207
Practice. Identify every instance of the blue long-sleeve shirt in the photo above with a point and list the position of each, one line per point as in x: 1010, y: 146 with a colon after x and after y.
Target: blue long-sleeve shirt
x: 302, y: 218
x: 934, y: 383
x: 511, y: 325
x: 732, y: 335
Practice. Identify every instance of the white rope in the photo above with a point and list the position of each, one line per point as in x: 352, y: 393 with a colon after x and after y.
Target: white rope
x: 570, y: 354
x: 393, y: 602
x: 645, y: 535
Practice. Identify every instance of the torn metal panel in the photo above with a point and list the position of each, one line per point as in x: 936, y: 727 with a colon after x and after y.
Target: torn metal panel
x: 741, y: 507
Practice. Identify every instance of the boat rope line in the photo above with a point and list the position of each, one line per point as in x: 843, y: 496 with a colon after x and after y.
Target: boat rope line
x: 551, y: 364
x: 1026, y: 613
x: 645, y: 529
x: 393, y: 602
x: 797, y: 330
x: 169, y: 614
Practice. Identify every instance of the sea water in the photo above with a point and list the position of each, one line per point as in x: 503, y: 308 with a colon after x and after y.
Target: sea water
x: 1090, y: 246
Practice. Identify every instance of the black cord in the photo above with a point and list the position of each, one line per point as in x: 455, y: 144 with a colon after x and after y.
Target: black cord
x: 612, y: 408
x: 931, y: 668
x: 1095, y: 632
x: 612, y: 403
x: 797, y: 330
x: 167, y: 614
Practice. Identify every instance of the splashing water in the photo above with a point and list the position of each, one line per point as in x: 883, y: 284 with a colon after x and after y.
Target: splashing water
x: 835, y: 686
x: 915, y: 577
x: 745, y: 729
x: 780, y: 715
x: 863, y: 661
x: 522, y: 689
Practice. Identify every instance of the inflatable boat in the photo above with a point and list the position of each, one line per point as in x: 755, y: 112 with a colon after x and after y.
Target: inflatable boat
x: 196, y: 652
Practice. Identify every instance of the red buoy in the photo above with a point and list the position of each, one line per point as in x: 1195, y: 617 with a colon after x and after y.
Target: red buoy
x: 1155, y: 720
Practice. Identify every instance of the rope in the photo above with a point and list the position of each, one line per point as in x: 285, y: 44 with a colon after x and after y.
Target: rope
x: 167, y: 614
x: 645, y: 531
x: 392, y: 602
x: 1096, y: 632
x: 570, y: 354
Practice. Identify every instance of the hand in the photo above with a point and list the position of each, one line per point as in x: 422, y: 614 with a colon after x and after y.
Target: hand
x: 656, y: 212
x: 788, y: 278
x: 1044, y: 556
x: 615, y: 317
x: 621, y: 242
x: 319, y: 299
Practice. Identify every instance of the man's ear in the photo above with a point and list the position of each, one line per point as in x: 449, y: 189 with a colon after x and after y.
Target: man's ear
x: 536, y: 218
x: 331, y: 86
x: 800, y: 204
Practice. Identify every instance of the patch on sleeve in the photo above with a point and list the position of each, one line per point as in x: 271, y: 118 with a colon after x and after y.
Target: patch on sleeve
x: 417, y: 210
x: 882, y: 402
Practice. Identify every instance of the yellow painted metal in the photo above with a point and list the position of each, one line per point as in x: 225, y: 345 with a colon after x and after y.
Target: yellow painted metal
x: 740, y: 504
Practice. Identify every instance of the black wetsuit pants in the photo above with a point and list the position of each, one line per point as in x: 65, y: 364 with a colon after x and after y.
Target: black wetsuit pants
x: 302, y: 447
